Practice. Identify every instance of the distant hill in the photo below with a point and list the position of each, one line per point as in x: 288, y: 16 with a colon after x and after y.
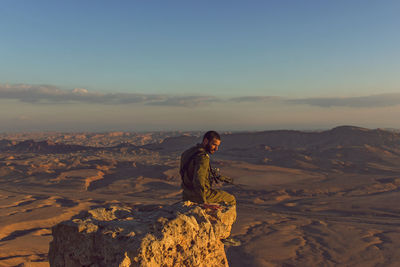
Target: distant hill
x: 50, y: 147
x: 5, y: 143
x: 344, y: 148
x: 339, y: 136
x: 30, y: 146
x: 289, y: 139
x: 174, y: 143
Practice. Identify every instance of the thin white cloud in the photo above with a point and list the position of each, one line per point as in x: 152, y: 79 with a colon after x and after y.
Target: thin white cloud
x: 380, y: 100
x: 255, y: 98
x: 186, y: 101
x: 52, y: 94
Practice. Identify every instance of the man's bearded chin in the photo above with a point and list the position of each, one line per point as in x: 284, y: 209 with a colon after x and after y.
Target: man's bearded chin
x: 208, y: 148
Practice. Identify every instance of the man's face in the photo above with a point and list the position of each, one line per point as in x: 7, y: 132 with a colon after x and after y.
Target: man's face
x: 212, y: 146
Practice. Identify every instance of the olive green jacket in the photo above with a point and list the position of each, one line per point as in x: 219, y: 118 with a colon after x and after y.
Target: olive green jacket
x: 195, y: 177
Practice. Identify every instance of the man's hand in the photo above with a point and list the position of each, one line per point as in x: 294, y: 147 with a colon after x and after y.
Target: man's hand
x: 216, y: 175
x: 225, y: 179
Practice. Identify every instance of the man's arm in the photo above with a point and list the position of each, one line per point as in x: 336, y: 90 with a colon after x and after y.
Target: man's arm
x: 200, y: 175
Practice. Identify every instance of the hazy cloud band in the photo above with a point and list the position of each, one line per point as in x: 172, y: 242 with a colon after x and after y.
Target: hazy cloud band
x: 381, y: 100
x: 51, y: 94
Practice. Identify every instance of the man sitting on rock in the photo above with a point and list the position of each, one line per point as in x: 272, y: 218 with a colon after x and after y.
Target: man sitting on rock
x: 195, y: 171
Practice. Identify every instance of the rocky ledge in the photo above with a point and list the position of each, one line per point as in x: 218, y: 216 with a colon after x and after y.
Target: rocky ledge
x: 183, y: 234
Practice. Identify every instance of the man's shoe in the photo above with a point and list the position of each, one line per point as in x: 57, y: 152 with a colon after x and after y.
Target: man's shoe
x: 231, y: 242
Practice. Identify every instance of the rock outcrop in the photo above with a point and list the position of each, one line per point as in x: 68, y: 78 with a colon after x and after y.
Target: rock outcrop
x: 183, y: 234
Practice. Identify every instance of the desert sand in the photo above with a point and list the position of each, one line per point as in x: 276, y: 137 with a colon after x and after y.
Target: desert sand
x: 326, y: 198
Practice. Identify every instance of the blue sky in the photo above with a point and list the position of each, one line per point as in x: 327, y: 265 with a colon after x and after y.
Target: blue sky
x: 175, y: 51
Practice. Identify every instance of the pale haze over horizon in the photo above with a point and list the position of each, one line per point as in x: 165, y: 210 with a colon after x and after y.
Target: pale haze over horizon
x: 198, y: 65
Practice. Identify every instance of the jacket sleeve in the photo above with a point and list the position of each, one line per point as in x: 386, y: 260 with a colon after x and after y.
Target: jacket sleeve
x: 200, y: 176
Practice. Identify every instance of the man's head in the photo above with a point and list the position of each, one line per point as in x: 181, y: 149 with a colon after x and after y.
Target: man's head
x: 211, y: 141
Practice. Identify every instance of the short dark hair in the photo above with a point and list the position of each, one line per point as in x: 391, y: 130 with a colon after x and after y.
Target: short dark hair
x: 210, y: 135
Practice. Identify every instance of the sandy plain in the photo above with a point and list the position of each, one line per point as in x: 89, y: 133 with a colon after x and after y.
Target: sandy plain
x: 320, y: 200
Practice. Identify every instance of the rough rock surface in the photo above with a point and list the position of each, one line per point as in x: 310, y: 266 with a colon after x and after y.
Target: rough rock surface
x: 183, y: 234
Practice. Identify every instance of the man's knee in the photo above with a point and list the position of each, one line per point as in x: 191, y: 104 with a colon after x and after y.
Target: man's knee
x: 219, y: 196
x: 230, y: 199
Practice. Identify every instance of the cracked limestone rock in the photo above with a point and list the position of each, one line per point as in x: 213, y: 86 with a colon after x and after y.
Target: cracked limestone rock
x: 183, y: 234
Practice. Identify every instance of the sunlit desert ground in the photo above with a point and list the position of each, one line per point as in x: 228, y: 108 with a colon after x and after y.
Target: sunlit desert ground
x: 304, y: 199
